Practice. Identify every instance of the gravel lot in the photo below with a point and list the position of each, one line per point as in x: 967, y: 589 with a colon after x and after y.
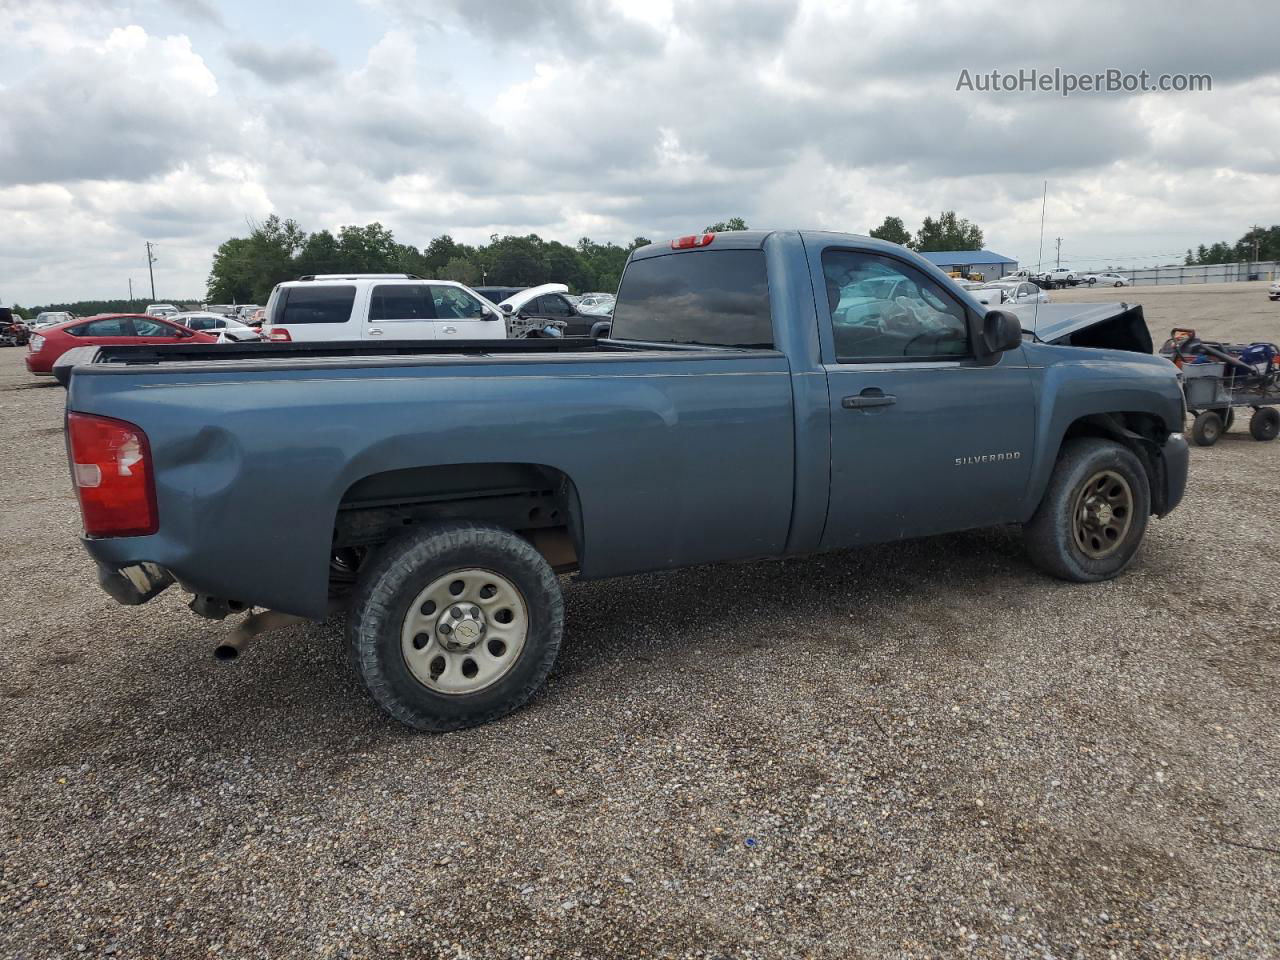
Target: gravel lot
x: 918, y: 750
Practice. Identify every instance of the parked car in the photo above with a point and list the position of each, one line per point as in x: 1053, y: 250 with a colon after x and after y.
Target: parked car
x: 498, y: 294
x: 598, y: 305
x: 216, y: 324
x: 1057, y: 277
x: 50, y: 318
x: 161, y: 310
x: 364, y: 306
x: 107, y: 329
x: 739, y: 412
x: 548, y: 303
x: 1106, y: 279
x: 14, y: 331
x: 246, y: 310
x: 1001, y: 292
x: 1273, y: 291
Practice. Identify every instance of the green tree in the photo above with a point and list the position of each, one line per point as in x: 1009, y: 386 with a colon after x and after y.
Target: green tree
x: 892, y: 230
x: 948, y: 232
x: 724, y: 226
x: 320, y: 254
x: 368, y: 249
x: 459, y: 270
x: 246, y: 268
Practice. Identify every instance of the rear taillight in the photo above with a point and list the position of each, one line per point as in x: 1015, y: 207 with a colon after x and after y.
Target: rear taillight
x: 693, y: 240
x: 111, y: 467
x: 280, y: 335
x: 36, y: 342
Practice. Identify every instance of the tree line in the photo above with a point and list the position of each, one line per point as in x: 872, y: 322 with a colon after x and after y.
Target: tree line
x: 246, y: 268
x: 1259, y: 243
x: 948, y: 232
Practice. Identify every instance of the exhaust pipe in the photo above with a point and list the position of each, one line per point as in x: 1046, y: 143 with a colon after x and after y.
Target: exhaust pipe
x: 256, y: 623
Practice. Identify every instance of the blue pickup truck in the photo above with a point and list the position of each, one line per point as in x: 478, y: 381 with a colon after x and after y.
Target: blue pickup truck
x: 760, y: 395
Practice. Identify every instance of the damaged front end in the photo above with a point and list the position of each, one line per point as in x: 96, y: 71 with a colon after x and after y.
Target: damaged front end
x: 1102, y: 326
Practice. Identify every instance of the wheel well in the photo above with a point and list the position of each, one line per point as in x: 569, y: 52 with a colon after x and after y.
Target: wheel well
x: 538, y: 502
x: 1143, y: 433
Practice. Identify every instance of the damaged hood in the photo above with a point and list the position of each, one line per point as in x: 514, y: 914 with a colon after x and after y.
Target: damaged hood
x: 1107, y: 326
x: 518, y: 300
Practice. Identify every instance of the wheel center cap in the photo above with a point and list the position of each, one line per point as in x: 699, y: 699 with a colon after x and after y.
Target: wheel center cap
x: 460, y: 627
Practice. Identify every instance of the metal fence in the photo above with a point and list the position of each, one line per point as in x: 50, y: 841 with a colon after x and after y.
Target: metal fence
x: 1207, y: 273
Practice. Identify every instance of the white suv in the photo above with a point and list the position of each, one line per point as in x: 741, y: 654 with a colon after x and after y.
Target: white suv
x: 373, y: 306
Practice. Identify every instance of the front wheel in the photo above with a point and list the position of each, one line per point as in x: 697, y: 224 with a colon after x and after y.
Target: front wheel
x: 1207, y: 428
x: 1094, y: 513
x: 455, y: 625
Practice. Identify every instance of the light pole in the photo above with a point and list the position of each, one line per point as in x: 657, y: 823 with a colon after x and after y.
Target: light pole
x: 151, y: 258
x: 131, y: 291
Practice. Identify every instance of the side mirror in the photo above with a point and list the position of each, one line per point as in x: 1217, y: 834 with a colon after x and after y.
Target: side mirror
x: 507, y: 309
x: 1001, y: 331
x: 487, y: 314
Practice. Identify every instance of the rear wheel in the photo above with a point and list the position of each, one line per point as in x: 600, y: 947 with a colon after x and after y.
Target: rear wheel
x: 1094, y: 513
x: 1265, y: 423
x: 1206, y: 429
x: 455, y: 625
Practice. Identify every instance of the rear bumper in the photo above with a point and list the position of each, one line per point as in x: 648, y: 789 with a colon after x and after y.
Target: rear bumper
x: 134, y: 584
x: 36, y: 364
x: 1175, y: 456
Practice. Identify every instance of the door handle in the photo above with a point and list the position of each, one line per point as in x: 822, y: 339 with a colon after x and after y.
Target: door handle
x: 375, y: 332
x: 450, y: 329
x: 870, y: 397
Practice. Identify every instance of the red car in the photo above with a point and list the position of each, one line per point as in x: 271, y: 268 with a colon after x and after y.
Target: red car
x: 107, y: 329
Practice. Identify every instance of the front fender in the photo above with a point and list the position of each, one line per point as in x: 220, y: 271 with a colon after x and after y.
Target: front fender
x: 1075, y: 383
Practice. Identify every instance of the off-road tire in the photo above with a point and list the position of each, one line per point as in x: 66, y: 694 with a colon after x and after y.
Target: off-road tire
x: 1265, y: 423
x: 1049, y: 534
x: 390, y: 583
x: 1207, y: 429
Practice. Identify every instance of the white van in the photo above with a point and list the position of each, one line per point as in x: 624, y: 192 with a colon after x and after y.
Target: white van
x: 372, y: 306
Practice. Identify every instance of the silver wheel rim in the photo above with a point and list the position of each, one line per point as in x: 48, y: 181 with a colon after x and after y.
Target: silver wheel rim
x: 1103, y: 514
x: 465, y: 631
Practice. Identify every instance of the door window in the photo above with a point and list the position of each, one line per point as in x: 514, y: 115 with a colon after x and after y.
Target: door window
x: 152, y: 328
x: 554, y: 305
x: 452, y: 303
x: 882, y: 309
x: 402, y: 301
x: 107, y: 327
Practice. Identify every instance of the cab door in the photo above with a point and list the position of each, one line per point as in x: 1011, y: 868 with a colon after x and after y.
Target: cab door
x: 460, y: 316
x: 926, y: 437
x: 400, y: 311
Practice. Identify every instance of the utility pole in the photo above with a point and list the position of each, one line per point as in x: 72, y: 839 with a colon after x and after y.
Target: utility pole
x: 1059, y: 255
x: 151, y: 258
x: 131, y: 291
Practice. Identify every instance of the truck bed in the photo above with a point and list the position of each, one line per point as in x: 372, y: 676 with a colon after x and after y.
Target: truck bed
x: 327, y: 355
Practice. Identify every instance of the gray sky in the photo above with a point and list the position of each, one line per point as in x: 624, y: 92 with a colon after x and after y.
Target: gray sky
x: 178, y: 121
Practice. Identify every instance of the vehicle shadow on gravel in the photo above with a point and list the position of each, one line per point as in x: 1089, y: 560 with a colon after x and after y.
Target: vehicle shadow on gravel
x: 292, y: 692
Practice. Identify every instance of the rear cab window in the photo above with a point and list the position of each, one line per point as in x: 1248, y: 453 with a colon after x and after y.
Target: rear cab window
x: 709, y: 297
x: 307, y: 304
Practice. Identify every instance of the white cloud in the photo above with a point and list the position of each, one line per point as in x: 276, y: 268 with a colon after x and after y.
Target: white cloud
x: 613, y: 118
